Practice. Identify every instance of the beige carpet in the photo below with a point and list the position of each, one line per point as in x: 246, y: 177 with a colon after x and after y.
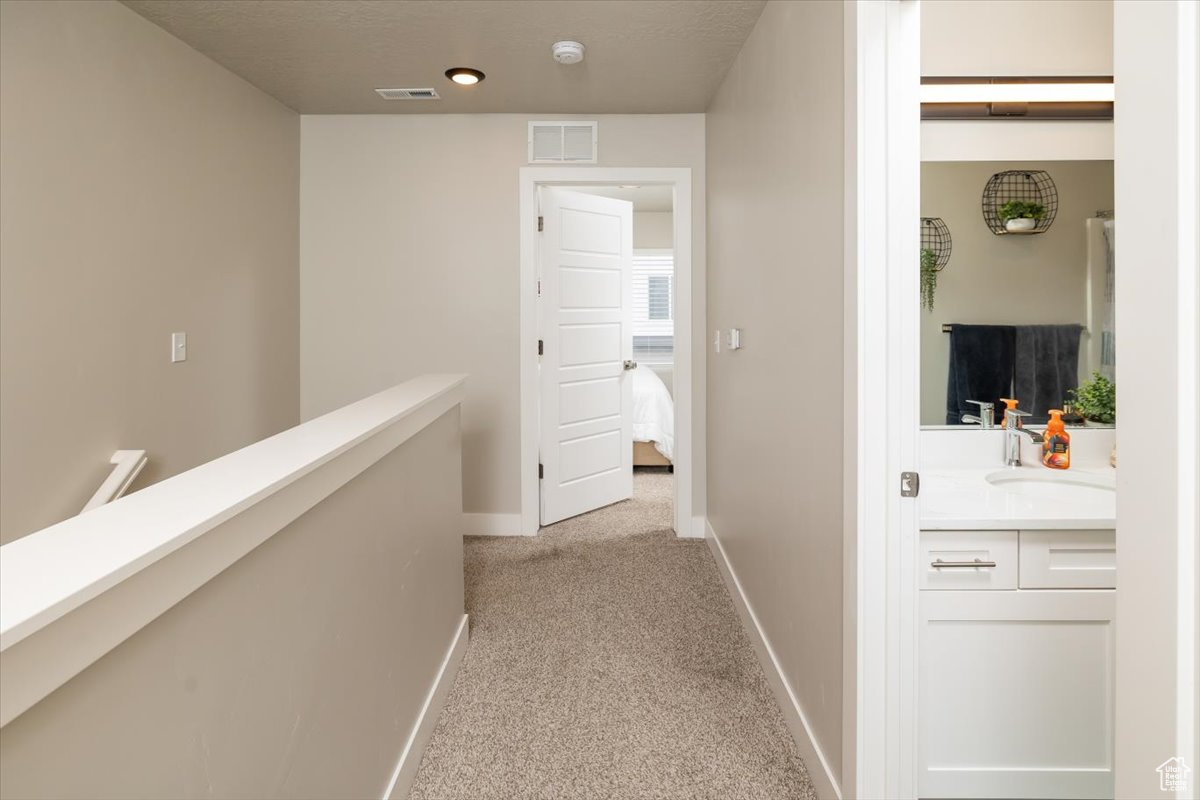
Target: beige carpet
x: 607, y: 661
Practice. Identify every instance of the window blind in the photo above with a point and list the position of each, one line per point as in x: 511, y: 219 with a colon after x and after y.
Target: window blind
x: 654, y: 306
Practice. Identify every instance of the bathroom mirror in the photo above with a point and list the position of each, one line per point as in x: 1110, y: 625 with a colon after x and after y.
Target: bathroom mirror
x: 1025, y: 315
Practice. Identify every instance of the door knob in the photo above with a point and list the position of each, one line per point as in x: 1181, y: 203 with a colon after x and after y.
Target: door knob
x: 630, y: 365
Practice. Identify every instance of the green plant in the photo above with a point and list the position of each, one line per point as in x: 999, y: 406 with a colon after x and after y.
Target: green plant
x: 1096, y: 399
x: 929, y: 275
x: 1019, y: 209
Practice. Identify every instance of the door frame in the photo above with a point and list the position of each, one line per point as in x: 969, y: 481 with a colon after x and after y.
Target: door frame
x: 883, y: 139
x: 529, y: 181
x: 1156, y: 139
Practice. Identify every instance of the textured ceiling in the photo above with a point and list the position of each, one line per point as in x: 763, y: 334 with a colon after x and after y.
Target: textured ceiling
x: 328, y: 56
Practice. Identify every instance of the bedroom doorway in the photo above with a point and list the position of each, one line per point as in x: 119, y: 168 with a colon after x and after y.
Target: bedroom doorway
x: 641, y: 412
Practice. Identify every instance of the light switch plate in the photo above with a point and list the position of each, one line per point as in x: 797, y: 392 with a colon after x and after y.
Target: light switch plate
x: 735, y: 338
x: 178, y: 347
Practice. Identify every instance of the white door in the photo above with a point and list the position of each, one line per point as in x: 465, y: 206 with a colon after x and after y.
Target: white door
x: 585, y: 318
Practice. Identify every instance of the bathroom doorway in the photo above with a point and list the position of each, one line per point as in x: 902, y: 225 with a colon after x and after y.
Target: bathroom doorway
x: 1155, y: 58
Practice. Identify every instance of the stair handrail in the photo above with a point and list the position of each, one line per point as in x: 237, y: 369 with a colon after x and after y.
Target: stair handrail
x: 128, y: 463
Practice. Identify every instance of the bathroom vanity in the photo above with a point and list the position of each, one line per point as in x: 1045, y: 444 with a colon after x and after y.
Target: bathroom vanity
x: 1017, y: 580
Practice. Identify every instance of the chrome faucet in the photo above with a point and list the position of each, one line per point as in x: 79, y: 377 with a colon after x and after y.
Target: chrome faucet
x: 986, y: 419
x: 1012, y: 436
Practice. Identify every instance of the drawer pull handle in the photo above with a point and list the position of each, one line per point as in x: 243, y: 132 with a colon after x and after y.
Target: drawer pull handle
x: 939, y: 564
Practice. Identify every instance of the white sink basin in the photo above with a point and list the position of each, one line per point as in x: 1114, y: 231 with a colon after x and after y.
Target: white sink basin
x: 1051, y: 485
x: 1030, y: 497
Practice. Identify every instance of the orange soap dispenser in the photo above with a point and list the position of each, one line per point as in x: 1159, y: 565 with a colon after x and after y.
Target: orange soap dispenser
x: 1056, y: 444
x: 1009, y: 405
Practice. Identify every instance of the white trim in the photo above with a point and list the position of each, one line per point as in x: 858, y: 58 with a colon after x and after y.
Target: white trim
x: 410, y: 757
x: 492, y: 525
x: 886, y: 180
x: 851, y: 666
x: 1155, y: 57
x: 133, y: 559
x: 127, y: 465
x: 819, y: 770
x: 530, y: 179
x: 1187, y: 725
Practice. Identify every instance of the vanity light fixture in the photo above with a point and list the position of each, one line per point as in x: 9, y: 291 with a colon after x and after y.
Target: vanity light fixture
x: 1033, y: 98
x: 465, y: 76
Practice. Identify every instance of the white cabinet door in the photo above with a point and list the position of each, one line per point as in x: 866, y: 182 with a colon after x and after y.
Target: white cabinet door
x: 1016, y: 694
x: 586, y: 314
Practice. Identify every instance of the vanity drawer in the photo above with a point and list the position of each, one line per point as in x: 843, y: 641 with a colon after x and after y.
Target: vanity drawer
x: 1069, y: 559
x: 996, y: 552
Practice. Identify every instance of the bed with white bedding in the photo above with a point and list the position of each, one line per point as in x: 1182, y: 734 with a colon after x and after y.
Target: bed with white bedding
x: 653, y: 420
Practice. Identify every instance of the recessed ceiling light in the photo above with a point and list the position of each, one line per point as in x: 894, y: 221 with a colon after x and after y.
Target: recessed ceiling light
x: 465, y: 76
x: 628, y: 186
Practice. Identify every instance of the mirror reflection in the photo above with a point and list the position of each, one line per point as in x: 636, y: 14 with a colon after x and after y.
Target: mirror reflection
x: 1017, y: 270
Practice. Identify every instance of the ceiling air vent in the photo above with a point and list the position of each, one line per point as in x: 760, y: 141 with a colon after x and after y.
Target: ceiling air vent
x: 408, y: 94
x: 562, y: 142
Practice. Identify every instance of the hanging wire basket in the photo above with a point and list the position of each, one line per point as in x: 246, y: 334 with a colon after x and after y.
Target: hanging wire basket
x: 1023, y: 186
x: 935, y: 237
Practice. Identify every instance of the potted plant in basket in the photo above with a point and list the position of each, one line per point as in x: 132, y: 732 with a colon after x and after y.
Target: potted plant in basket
x: 1020, y: 216
x: 1096, y: 400
x: 929, y: 275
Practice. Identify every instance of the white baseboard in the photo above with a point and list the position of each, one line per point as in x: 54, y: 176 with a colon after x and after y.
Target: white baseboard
x: 492, y: 525
x: 410, y: 758
x: 699, y: 526
x: 819, y: 771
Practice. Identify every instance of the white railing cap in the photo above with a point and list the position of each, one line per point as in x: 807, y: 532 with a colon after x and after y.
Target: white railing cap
x: 47, y: 574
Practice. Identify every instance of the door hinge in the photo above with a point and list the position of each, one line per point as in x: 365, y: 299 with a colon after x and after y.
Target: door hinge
x: 541, y: 224
x: 541, y: 472
x: 910, y: 484
x: 541, y: 347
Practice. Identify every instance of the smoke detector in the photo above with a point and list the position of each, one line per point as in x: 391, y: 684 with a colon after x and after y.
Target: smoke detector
x: 567, y: 52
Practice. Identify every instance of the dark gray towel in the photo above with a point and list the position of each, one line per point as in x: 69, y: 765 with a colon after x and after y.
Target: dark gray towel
x: 981, y: 368
x: 1047, y: 367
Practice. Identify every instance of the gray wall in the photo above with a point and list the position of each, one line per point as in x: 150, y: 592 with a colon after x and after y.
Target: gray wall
x: 1017, y: 37
x: 1005, y: 280
x: 653, y: 230
x: 410, y: 263
x: 297, y: 672
x: 143, y: 190
x: 776, y: 416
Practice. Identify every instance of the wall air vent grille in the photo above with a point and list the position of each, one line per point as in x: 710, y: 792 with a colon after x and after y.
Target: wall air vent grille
x: 408, y: 94
x: 562, y: 142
